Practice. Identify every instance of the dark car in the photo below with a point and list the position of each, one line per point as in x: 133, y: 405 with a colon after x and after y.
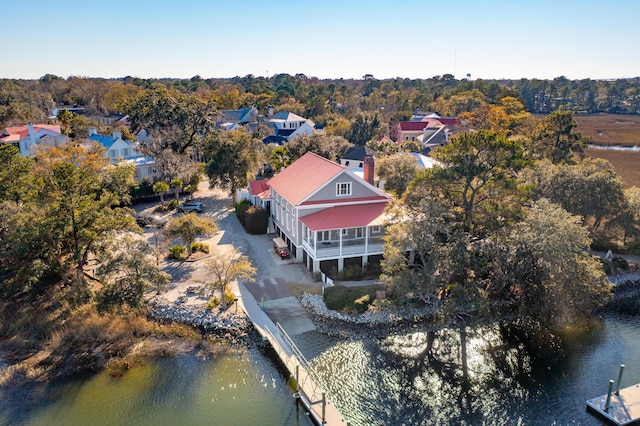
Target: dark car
x: 151, y: 220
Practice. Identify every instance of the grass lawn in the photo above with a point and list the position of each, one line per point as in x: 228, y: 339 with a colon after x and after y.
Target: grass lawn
x: 350, y: 299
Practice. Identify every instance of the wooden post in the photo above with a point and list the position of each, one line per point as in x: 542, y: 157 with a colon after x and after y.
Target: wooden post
x: 619, y: 379
x: 606, y: 404
x: 324, y: 404
x: 297, y: 382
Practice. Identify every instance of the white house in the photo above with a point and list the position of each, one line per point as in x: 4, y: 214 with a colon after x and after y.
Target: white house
x: 26, y: 138
x: 289, y: 125
x: 118, y: 149
x: 329, y: 217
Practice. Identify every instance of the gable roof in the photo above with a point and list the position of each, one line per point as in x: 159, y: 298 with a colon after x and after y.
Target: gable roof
x: 358, y: 153
x: 259, y: 188
x: 303, y: 177
x: 415, y: 126
x: 286, y: 116
x: 349, y: 216
x: 104, y: 140
x: 17, y: 133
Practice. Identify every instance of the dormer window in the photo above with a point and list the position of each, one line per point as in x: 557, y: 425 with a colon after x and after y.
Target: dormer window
x: 343, y: 189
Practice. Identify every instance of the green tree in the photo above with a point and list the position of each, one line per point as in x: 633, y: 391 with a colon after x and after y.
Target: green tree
x: 188, y: 226
x: 279, y: 158
x: 127, y: 269
x: 226, y: 268
x: 82, y: 197
x: 17, y: 181
x: 232, y: 157
x: 365, y: 127
x: 541, y: 271
x: 329, y: 147
x: 396, y: 171
x: 64, y: 118
x: 477, y: 177
x: 161, y: 188
x: 556, y: 139
x: 176, y: 184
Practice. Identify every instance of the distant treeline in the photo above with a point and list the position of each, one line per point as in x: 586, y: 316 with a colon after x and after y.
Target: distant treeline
x: 33, y: 100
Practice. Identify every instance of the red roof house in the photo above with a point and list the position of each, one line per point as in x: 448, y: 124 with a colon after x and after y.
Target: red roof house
x: 328, y: 216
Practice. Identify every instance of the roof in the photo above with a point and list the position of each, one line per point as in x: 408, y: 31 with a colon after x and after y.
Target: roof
x: 302, y: 178
x: 140, y: 160
x: 424, y: 160
x: 349, y: 216
x: 405, y: 126
x: 286, y: 116
x: 274, y: 139
x: 16, y: 133
x: 235, y: 114
x: 104, y: 140
x: 259, y: 188
x: 450, y: 121
x: 358, y: 153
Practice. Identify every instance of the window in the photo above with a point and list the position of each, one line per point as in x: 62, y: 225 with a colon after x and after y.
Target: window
x: 112, y: 153
x: 125, y: 152
x: 345, y: 232
x: 343, y: 188
x: 346, y: 163
x: 136, y: 174
x: 375, y: 229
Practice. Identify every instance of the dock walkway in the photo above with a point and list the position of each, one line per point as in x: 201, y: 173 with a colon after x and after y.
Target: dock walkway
x: 624, y: 408
x: 310, y: 394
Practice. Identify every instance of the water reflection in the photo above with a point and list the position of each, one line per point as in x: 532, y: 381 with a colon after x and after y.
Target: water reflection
x: 232, y: 388
x: 510, y: 377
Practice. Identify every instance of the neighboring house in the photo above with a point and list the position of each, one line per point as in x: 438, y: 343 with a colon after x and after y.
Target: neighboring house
x: 424, y: 161
x: 329, y: 217
x: 114, y: 120
x: 354, y: 157
x: 411, y: 130
x: 259, y: 193
x: 239, y: 116
x: 118, y: 149
x: 288, y: 125
x: 26, y: 138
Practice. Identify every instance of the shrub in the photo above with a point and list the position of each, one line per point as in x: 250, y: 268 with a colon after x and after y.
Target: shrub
x: 171, y: 205
x: 351, y: 273
x: 317, y: 276
x: 350, y: 299
x: 256, y: 220
x: 178, y: 252
x: 229, y: 297
x: 241, y: 206
x: 203, y: 247
x: 214, y: 302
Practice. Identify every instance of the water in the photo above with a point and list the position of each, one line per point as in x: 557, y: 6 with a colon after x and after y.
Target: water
x: 512, y: 380
x: 633, y: 148
x: 233, y: 388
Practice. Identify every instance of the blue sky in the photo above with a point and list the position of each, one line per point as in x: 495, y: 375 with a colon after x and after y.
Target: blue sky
x: 329, y: 39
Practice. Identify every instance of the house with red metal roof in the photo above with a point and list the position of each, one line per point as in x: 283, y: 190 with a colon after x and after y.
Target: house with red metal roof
x: 329, y: 217
x: 26, y: 138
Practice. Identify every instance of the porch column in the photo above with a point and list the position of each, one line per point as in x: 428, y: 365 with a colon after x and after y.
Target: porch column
x: 340, y: 262
x: 340, y: 234
x: 365, y: 259
x: 316, y: 265
x: 366, y: 241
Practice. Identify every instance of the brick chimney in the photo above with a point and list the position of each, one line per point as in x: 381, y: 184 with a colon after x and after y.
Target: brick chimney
x: 369, y: 168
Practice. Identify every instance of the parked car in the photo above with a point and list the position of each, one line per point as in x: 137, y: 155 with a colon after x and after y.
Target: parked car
x: 280, y: 247
x: 190, y: 206
x: 151, y: 220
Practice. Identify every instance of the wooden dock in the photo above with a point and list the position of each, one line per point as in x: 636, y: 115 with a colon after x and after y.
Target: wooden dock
x: 624, y: 408
x: 307, y: 391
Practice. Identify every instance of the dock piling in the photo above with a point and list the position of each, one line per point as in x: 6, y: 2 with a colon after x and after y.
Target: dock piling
x: 619, y: 379
x: 324, y: 405
x: 606, y: 404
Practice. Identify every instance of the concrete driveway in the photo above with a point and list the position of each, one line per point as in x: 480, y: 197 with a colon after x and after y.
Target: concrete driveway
x: 270, y: 288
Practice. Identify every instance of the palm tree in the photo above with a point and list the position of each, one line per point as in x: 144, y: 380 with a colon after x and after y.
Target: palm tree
x: 176, y: 184
x: 160, y: 188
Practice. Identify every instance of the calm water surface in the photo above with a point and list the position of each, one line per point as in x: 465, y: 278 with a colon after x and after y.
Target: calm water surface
x: 512, y: 380
x: 233, y: 388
